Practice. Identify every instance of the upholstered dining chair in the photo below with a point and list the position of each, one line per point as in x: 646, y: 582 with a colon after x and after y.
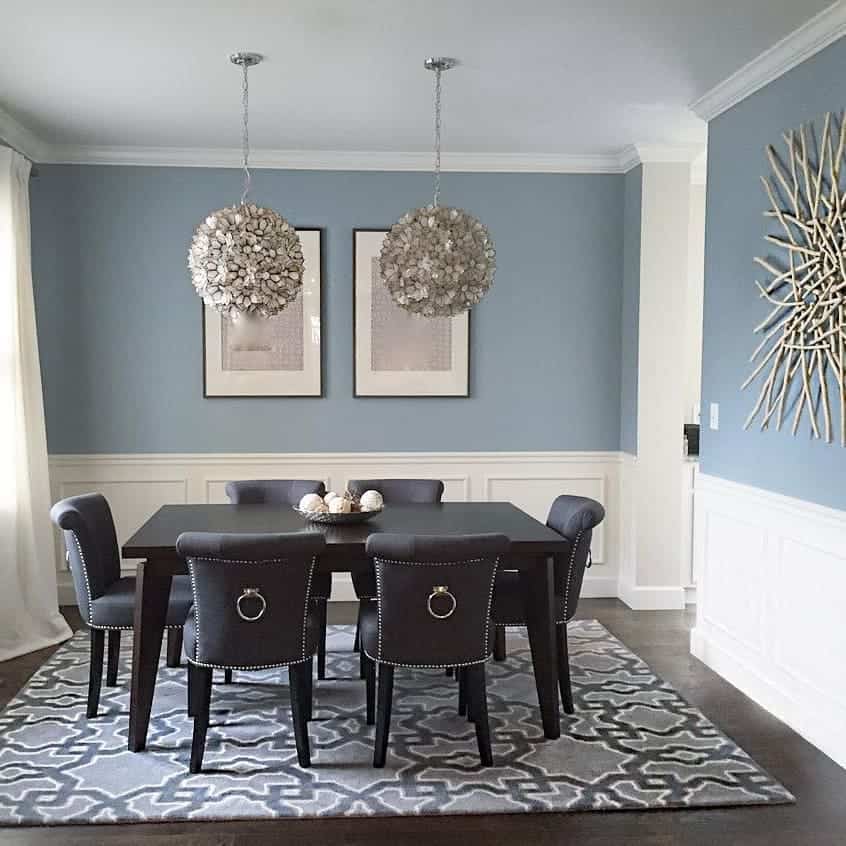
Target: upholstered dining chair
x: 290, y: 492
x: 432, y: 611
x: 252, y: 611
x: 396, y: 492
x: 106, y: 600
x: 575, y: 518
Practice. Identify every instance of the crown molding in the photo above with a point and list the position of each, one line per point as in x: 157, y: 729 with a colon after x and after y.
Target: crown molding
x: 641, y: 154
x: 619, y: 162
x: 628, y: 158
x: 334, y: 159
x: 814, y: 35
x: 669, y: 153
x: 622, y: 161
x: 17, y: 136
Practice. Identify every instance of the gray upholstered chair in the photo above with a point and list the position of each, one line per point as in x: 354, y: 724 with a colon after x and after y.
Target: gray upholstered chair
x: 574, y: 517
x: 397, y: 492
x: 290, y: 492
x: 433, y: 610
x: 106, y: 600
x: 252, y: 611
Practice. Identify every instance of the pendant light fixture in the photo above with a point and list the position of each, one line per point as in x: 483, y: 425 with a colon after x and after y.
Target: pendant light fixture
x: 245, y: 258
x: 438, y: 261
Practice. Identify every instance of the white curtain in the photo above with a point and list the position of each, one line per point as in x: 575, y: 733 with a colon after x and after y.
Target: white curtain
x: 29, y: 612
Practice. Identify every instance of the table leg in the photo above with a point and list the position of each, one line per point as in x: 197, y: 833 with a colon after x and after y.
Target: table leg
x: 152, y: 593
x: 538, y: 601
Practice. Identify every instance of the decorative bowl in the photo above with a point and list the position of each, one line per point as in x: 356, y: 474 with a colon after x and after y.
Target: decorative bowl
x: 327, y: 519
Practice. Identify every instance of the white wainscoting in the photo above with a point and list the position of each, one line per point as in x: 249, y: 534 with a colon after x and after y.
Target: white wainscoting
x: 771, y: 577
x: 137, y: 485
x: 636, y: 586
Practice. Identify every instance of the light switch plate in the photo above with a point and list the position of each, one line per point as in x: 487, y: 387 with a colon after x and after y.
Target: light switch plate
x: 715, y: 416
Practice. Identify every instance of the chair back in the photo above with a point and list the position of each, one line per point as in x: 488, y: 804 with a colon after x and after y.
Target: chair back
x: 401, y: 491
x: 251, y: 596
x: 575, y: 518
x: 272, y: 491
x: 91, y: 544
x: 434, y: 597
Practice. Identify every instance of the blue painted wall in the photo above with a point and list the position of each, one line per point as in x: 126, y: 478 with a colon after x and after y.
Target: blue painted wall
x: 776, y: 461
x: 630, y: 309
x: 120, y: 325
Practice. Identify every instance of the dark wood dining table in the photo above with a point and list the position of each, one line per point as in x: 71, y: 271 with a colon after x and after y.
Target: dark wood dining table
x: 532, y: 544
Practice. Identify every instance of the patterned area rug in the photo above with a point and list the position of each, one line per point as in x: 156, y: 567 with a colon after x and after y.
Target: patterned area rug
x: 633, y: 743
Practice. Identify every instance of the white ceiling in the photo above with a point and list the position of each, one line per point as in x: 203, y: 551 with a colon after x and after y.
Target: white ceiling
x: 537, y: 76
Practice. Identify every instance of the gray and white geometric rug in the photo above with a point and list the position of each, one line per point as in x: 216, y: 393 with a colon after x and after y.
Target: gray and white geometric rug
x: 633, y: 743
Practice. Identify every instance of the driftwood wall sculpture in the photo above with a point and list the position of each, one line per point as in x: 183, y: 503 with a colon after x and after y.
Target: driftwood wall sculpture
x: 799, y: 362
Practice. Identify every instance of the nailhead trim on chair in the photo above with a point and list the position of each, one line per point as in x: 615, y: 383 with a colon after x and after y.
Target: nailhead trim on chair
x: 307, y: 603
x: 247, y: 667
x: 570, y: 572
x: 195, y: 660
x: 122, y: 628
x: 485, y: 647
x: 85, y: 576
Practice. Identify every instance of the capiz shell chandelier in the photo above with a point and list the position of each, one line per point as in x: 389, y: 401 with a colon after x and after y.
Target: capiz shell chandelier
x: 437, y: 261
x: 245, y: 258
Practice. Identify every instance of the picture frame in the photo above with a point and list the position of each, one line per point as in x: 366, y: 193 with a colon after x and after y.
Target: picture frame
x: 277, y: 357
x: 396, y: 353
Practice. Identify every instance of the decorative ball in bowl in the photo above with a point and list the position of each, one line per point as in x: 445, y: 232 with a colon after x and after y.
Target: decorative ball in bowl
x: 334, y: 509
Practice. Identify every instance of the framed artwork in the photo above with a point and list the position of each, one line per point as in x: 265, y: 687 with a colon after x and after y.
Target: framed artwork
x: 269, y: 357
x: 397, y: 354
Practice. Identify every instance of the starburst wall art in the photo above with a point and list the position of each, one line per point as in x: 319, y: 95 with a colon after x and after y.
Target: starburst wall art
x: 798, y: 366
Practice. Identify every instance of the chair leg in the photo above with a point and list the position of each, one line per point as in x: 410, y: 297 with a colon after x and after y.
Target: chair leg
x: 499, y: 653
x: 370, y: 688
x: 299, y: 676
x: 174, y: 647
x: 201, y: 686
x: 478, y: 696
x: 95, y: 671
x: 227, y: 676
x: 192, y: 693
x: 357, y: 644
x: 309, y: 691
x: 383, y: 714
x: 112, y: 657
x: 461, y: 672
x: 321, y: 638
x: 564, y: 685
x: 357, y: 641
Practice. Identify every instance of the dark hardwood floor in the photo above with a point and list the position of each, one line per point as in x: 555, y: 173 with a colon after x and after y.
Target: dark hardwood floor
x: 660, y: 638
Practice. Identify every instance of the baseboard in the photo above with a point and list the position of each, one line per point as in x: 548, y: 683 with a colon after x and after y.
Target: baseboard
x: 828, y: 735
x: 598, y: 587
x: 652, y: 598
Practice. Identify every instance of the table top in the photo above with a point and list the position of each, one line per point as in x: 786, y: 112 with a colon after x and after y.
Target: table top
x: 157, y: 537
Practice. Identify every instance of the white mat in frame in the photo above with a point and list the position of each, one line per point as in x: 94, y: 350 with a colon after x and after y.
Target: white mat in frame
x: 397, y: 353
x: 280, y: 357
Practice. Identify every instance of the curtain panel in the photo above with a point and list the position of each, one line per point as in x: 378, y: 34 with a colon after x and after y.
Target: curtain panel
x: 29, y: 613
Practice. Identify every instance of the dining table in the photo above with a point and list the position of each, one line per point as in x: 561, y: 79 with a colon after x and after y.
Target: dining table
x: 533, y: 546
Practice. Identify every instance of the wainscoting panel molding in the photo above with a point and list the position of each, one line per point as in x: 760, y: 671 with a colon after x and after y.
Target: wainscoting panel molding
x: 137, y: 484
x: 771, y: 577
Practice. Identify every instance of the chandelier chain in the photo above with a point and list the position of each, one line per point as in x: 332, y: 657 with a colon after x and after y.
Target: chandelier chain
x: 437, y: 137
x: 245, y: 129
